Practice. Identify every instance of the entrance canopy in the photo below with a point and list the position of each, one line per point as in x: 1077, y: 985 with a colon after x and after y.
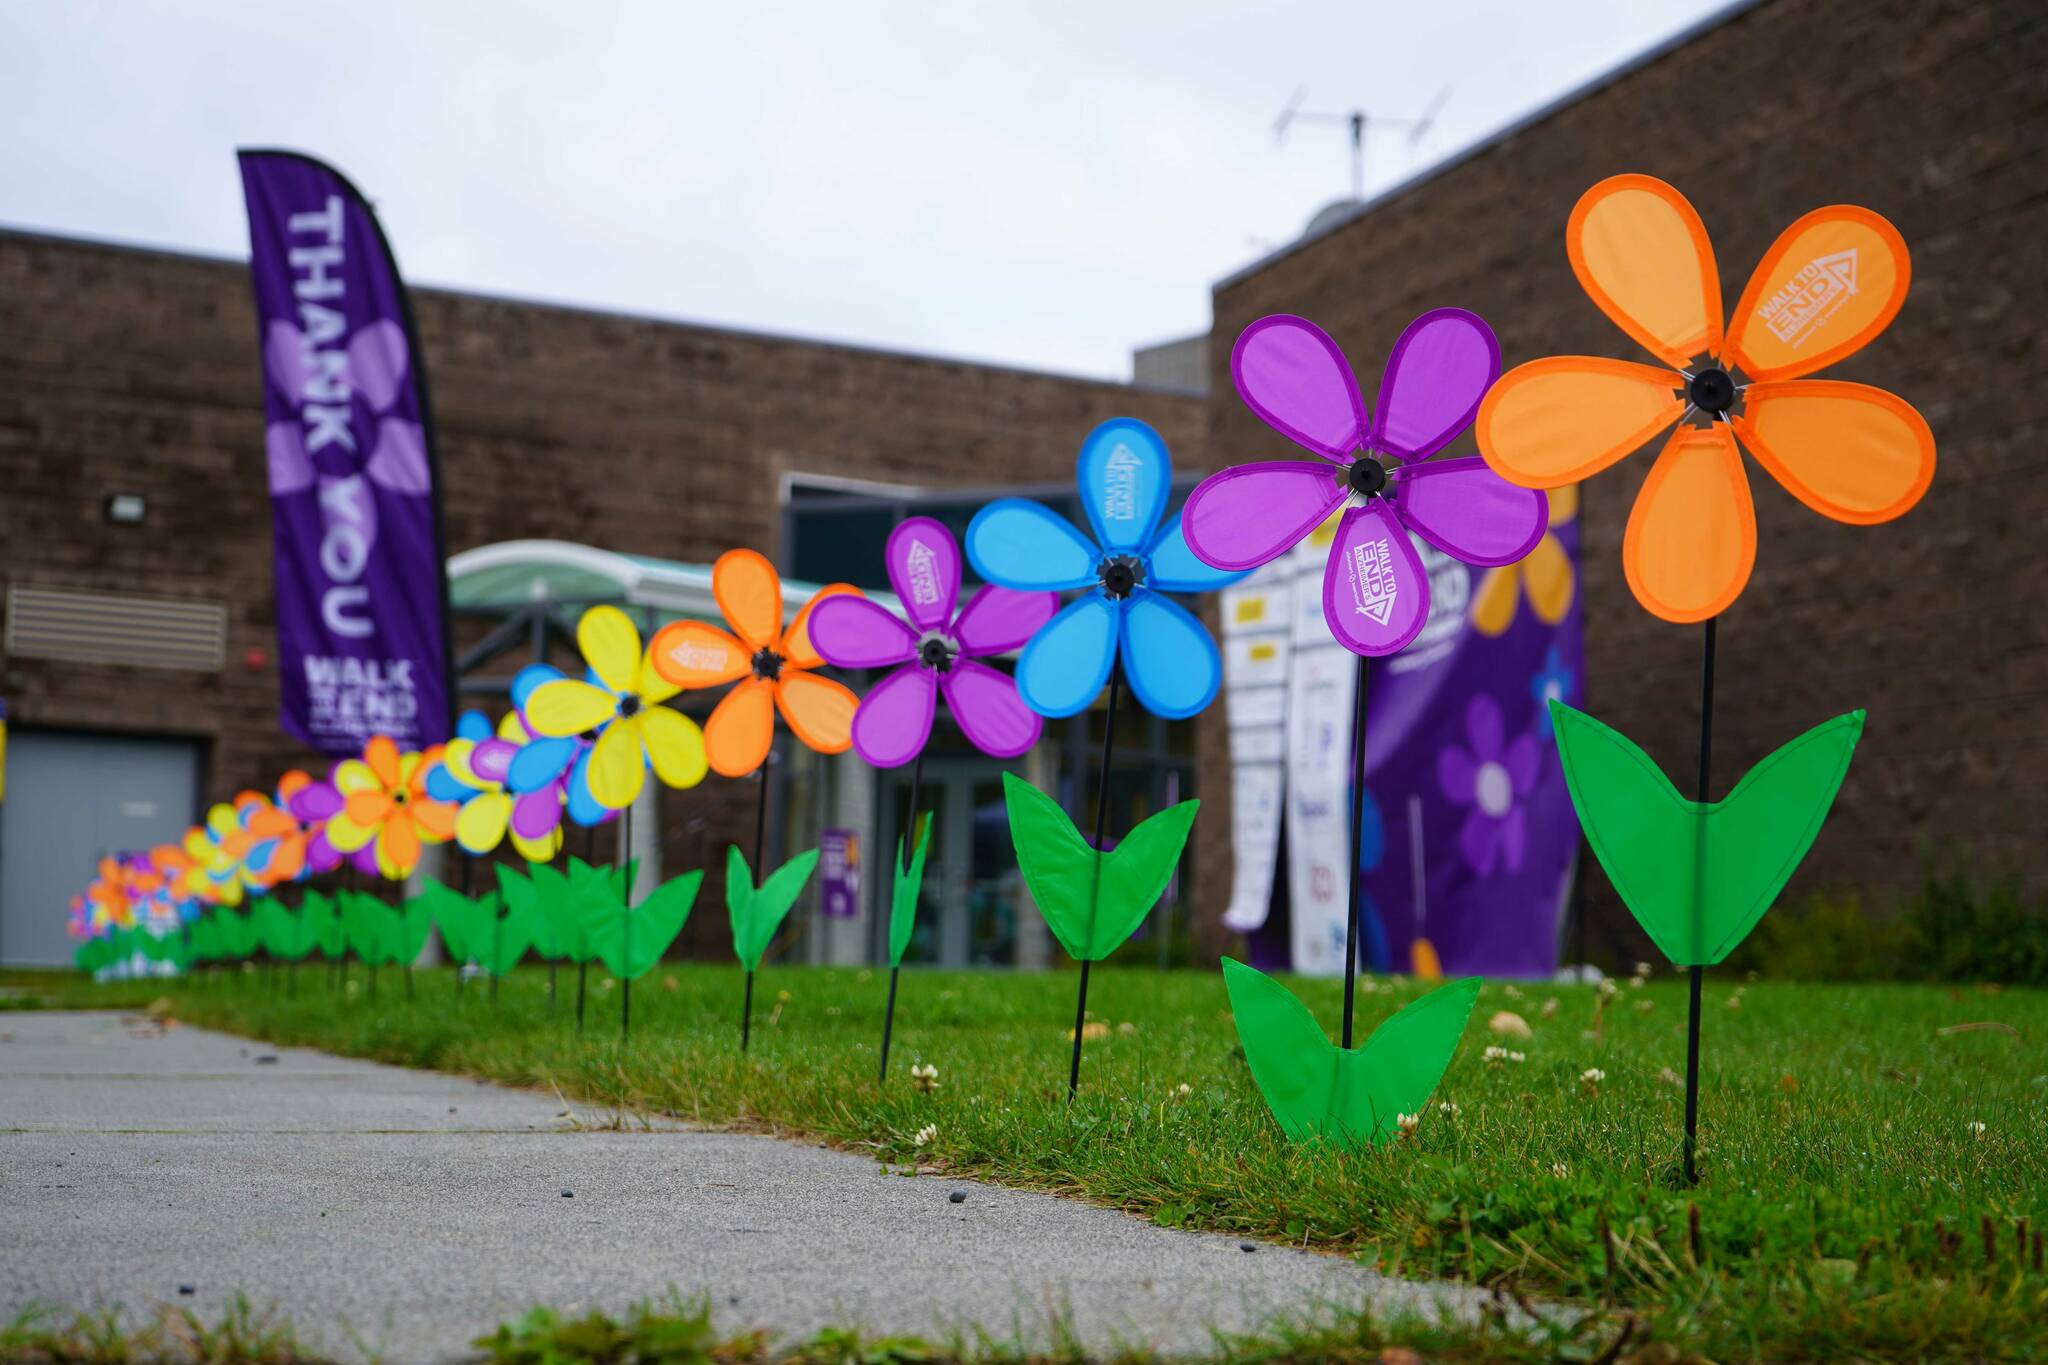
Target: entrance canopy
x: 535, y: 588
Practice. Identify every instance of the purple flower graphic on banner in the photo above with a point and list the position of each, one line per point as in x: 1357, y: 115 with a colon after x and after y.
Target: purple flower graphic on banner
x: 371, y: 368
x: 1492, y: 776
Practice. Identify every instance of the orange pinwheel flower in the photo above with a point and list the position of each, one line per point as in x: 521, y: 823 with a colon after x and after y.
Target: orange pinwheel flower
x: 386, y: 803
x: 773, y: 668
x: 1829, y: 284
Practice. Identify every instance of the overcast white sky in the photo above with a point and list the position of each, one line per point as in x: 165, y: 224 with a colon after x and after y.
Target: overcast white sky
x: 1042, y: 184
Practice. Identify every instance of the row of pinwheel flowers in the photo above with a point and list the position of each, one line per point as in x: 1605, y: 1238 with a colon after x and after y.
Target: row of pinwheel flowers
x: 580, y: 747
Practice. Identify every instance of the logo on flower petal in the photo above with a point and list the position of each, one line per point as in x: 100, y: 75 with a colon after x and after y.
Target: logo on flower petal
x: 1372, y: 579
x: 1120, y: 485
x: 1810, y: 298
x: 921, y: 562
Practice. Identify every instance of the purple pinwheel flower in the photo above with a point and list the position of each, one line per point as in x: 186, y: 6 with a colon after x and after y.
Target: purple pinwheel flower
x: 1493, y: 776
x: 1375, y: 592
x: 939, y: 651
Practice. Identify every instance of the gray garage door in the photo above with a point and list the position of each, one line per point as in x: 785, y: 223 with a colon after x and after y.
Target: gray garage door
x: 71, y: 800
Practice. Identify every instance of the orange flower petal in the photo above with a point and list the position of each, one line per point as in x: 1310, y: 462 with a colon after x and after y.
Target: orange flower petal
x: 398, y: 846
x: 1848, y: 451
x: 749, y: 592
x: 1691, y: 538
x: 436, y: 819
x: 741, y: 729
x: 1565, y: 418
x: 382, y: 756
x: 367, y: 809
x: 690, y: 654
x: 1642, y: 254
x: 1548, y: 579
x: 1495, y: 599
x: 1830, y: 283
x: 796, y: 643
x: 817, y: 710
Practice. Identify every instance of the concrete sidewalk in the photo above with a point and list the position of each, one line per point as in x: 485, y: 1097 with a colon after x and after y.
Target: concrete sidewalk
x: 410, y: 1212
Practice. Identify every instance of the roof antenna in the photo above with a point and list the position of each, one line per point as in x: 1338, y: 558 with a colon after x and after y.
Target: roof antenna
x: 1359, y: 122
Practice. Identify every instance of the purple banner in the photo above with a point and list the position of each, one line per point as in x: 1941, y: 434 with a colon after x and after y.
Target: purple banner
x: 362, y: 622
x: 839, y: 873
x: 1469, y: 841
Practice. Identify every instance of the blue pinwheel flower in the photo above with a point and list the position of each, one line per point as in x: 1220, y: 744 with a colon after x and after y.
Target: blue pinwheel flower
x: 543, y: 762
x: 1171, y: 663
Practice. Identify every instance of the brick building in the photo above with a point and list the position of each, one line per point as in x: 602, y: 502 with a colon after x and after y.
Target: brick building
x: 126, y: 372
x: 133, y: 373
x: 1936, y: 116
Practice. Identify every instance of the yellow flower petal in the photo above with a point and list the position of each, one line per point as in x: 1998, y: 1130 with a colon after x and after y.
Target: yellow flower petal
x: 569, y: 707
x: 346, y: 835
x: 611, y: 645
x: 674, y: 744
x: 618, y: 765
x: 481, y: 825
x: 352, y: 775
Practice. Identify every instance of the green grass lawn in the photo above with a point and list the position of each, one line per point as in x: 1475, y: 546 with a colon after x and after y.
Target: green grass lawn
x: 1849, y: 1206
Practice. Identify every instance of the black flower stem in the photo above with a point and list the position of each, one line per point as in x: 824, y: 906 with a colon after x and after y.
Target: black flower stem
x: 754, y: 871
x: 1095, y: 892
x: 1692, y: 1020
x: 1354, y: 841
x: 895, y: 969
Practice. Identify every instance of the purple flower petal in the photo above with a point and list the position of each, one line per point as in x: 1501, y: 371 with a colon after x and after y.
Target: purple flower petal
x: 1484, y: 727
x: 1513, y: 832
x: 399, y: 462
x: 1441, y: 367
x: 1521, y: 761
x: 998, y: 620
x: 986, y: 707
x: 1479, y: 840
x: 377, y: 362
x: 1469, y: 512
x: 491, y: 759
x: 853, y: 632
x: 537, y: 813
x: 285, y: 447
x: 315, y: 801
x: 895, y: 718
x: 924, y: 567
x: 284, y: 357
x: 1292, y: 375
x: 1457, y: 774
x: 1251, y: 514
x: 1375, y: 594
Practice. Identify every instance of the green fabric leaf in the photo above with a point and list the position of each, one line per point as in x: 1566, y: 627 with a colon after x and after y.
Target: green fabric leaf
x: 368, y: 925
x: 903, y: 892
x: 206, y: 938
x: 323, y: 925
x: 239, y: 935
x: 630, y: 941
x: 758, y: 912
x: 552, y: 909
x: 503, y: 934
x: 284, y: 932
x: 410, y: 926
x: 1698, y: 877
x: 455, y: 915
x: 1092, y: 902
x: 1318, y: 1090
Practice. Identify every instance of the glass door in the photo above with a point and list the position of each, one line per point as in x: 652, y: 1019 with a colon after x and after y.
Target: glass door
x: 967, y: 907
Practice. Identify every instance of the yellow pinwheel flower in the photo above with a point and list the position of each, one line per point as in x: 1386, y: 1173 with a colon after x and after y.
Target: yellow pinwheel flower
x: 623, y: 708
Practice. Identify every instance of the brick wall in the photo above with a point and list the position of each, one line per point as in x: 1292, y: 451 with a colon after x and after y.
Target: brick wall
x: 136, y: 371
x: 1933, y: 114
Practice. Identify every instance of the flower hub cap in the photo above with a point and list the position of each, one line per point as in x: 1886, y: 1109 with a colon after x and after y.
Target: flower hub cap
x: 1366, y: 476
x: 936, y: 652
x: 1711, y: 390
x: 767, y: 665
x: 629, y: 705
x: 1120, y: 576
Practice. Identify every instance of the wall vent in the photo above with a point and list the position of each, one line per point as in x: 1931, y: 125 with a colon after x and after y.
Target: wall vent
x: 115, y: 628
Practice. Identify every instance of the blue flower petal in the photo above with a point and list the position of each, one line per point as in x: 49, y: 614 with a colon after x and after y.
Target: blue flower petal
x: 538, y: 762
x: 583, y: 807
x: 1063, y: 668
x: 443, y: 785
x: 1174, y: 567
x: 1021, y: 544
x: 1173, y: 665
x: 530, y: 677
x: 1125, y: 473
x: 473, y: 725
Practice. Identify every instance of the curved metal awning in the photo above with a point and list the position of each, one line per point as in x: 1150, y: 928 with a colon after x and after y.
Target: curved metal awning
x: 515, y: 575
